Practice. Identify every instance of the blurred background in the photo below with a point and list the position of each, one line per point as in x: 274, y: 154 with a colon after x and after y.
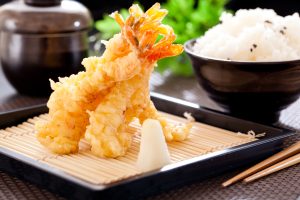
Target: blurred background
x: 282, y: 7
x: 192, y: 22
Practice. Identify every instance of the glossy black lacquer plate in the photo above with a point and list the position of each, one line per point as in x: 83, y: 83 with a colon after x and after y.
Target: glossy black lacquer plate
x: 173, y: 175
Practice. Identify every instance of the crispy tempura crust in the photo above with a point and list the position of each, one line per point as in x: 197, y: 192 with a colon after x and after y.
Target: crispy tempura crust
x: 101, y: 102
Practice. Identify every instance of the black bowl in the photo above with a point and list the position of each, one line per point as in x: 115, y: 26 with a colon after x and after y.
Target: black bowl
x: 256, y: 91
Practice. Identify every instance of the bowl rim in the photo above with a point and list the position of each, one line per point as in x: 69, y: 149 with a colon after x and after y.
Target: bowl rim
x: 187, y: 48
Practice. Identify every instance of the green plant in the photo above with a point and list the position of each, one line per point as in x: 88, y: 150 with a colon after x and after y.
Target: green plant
x: 107, y: 26
x: 189, y: 19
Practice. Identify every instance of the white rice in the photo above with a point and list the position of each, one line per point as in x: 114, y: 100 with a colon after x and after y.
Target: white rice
x: 252, y: 35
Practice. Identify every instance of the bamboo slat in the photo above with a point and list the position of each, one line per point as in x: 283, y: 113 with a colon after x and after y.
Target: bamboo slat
x: 86, y: 166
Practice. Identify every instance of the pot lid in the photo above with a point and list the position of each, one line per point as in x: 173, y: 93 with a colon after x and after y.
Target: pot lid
x: 44, y: 16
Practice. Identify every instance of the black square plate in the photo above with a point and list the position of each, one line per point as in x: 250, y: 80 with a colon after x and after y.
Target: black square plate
x: 177, y: 174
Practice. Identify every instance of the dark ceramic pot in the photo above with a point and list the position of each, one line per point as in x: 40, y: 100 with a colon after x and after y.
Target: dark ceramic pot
x: 29, y: 62
x: 257, y: 91
x: 42, y: 40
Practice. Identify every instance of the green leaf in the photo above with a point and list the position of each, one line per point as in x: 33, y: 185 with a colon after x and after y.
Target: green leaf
x: 108, y: 26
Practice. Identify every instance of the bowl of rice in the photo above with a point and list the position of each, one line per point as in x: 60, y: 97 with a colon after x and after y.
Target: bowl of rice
x: 249, y: 64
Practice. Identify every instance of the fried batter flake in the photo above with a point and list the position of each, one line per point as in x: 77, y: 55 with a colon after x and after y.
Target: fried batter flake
x: 100, y: 102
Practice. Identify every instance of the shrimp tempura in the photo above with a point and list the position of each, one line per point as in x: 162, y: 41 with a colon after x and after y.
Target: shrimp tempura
x: 101, y: 102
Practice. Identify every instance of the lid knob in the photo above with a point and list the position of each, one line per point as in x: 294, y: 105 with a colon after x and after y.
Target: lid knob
x: 43, y: 2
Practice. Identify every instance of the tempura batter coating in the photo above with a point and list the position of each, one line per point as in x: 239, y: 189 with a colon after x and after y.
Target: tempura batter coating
x: 114, y: 89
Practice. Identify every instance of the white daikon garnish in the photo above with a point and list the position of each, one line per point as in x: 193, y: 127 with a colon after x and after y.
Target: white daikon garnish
x: 153, y: 152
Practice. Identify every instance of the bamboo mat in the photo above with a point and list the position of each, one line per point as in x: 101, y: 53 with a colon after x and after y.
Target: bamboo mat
x: 84, y: 165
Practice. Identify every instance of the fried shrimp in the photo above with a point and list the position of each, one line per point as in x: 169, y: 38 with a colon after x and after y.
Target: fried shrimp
x: 100, y: 103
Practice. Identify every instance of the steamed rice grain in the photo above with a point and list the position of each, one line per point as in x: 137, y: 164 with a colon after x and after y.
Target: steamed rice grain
x: 252, y: 35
